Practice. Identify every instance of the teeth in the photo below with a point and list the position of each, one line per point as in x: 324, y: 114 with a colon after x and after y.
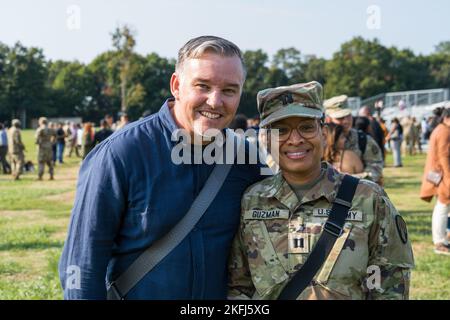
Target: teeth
x: 296, y: 154
x: 210, y: 115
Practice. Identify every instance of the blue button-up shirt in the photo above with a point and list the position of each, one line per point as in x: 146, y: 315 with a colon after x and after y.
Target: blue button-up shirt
x: 3, y: 138
x: 130, y: 194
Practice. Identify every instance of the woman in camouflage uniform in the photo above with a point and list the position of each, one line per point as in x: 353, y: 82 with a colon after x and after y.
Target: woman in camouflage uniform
x: 283, y: 216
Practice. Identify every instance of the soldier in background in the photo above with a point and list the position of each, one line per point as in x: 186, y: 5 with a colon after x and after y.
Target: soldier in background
x: 362, y: 144
x: 284, y: 216
x: 408, y: 135
x: 45, y: 137
x: 16, y: 149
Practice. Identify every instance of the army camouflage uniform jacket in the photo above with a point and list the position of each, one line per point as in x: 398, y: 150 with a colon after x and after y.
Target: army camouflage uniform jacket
x: 372, y: 158
x: 44, y: 139
x: 371, y: 260
x: 15, y: 145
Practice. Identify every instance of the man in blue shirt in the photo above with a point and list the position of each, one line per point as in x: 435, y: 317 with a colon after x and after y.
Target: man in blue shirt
x: 130, y: 193
x: 4, y: 149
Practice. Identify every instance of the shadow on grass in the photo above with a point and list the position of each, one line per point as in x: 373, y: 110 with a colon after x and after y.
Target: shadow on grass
x: 31, y: 245
x: 404, y: 185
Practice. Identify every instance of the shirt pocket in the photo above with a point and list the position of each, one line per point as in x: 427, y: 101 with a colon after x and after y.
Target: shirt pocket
x: 266, y: 269
x: 346, y: 266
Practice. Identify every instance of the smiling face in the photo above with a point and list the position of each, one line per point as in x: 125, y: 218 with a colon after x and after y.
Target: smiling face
x: 207, y: 91
x: 300, y: 158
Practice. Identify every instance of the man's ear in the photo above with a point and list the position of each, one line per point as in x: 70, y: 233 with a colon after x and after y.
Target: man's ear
x: 175, y: 85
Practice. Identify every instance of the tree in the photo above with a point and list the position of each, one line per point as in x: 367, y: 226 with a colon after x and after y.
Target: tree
x: 75, y: 87
x: 439, y: 69
x: 23, y: 81
x: 290, y: 61
x: 256, y: 63
x: 315, y: 69
x: 124, y: 42
x: 359, y: 68
x: 409, y: 72
x: 443, y: 47
x: 155, y: 80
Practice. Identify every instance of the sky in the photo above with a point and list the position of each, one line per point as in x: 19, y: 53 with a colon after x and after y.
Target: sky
x: 80, y: 29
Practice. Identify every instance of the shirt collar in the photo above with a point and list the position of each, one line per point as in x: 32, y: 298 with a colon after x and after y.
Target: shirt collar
x: 327, y: 188
x: 166, y: 116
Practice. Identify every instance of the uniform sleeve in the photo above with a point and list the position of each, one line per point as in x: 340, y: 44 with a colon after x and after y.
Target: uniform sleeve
x: 391, y: 256
x: 36, y: 137
x: 99, y: 205
x: 18, y: 140
x: 373, y: 161
x: 240, y: 285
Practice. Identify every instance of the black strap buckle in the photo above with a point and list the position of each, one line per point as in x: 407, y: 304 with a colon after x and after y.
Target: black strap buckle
x: 113, y: 288
x: 333, y: 229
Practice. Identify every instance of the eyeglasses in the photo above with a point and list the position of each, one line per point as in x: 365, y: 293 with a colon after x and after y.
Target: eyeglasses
x: 307, y: 130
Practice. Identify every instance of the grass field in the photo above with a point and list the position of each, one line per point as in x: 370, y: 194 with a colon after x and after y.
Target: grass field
x: 34, y: 217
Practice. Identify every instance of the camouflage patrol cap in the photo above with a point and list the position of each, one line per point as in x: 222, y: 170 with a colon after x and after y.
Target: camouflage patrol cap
x: 43, y: 120
x: 337, y: 107
x: 298, y: 100
x: 15, y: 122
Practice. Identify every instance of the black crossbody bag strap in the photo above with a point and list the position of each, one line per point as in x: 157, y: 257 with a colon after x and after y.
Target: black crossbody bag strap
x: 332, y: 230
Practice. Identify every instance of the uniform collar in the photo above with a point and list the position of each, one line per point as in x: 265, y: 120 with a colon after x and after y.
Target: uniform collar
x: 326, y: 188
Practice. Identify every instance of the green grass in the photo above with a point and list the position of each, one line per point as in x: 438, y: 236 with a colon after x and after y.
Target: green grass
x: 34, y: 217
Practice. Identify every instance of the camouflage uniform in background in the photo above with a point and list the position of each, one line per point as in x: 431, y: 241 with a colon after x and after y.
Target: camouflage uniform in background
x: 409, y: 135
x: 16, y: 149
x: 372, y: 158
x: 44, y: 139
x: 277, y: 233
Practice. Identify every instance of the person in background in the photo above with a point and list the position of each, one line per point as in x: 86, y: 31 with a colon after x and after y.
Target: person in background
x: 110, y: 121
x: 338, y: 112
x: 424, y: 129
x: 438, y: 161
x: 68, y: 133
x: 383, y: 127
x: 375, y: 129
x: 4, y: 149
x: 417, y: 135
x: 239, y: 122
x: 53, y: 127
x: 16, y: 149
x: 124, y: 120
x: 408, y: 135
x: 395, y: 138
x: 72, y: 141
x: 103, y: 133
x: 44, y: 139
x: 345, y: 161
x: 79, y: 138
x: 60, y: 143
x: 363, y: 124
x: 87, y: 142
